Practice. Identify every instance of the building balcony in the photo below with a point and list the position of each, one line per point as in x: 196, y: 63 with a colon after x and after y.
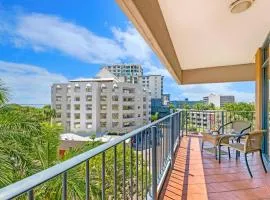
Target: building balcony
x: 166, y: 162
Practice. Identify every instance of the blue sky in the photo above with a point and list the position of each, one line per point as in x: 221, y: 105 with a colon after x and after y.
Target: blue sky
x: 47, y: 41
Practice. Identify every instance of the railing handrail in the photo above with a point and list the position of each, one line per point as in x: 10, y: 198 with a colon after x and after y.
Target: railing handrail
x: 37, y: 179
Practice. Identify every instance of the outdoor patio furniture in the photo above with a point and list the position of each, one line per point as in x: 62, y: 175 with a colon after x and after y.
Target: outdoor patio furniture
x: 251, y: 144
x: 232, y: 128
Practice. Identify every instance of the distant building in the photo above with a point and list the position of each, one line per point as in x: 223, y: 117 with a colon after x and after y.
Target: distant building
x: 220, y: 100
x: 157, y: 106
x: 102, y: 104
x: 166, y: 99
x: 205, y: 100
x: 181, y: 104
x: 126, y: 72
x: 154, y: 83
x: 133, y: 73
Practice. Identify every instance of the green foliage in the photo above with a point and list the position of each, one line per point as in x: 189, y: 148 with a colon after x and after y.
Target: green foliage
x: 243, y: 111
x: 186, y: 106
x: 29, y: 143
x: 203, y: 106
x: 154, y: 117
x: 3, y: 93
x: 172, y: 107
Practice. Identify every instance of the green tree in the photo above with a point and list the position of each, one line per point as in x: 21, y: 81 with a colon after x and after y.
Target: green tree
x: 242, y: 110
x: 3, y: 93
x: 154, y: 117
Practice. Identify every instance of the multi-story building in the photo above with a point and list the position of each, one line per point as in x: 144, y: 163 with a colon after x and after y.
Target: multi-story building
x: 101, y: 105
x: 166, y: 99
x: 205, y: 99
x: 220, y: 100
x: 154, y: 83
x: 132, y: 73
x: 126, y: 72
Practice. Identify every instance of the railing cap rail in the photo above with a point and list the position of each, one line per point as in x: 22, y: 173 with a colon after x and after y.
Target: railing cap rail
x: 37, y: 179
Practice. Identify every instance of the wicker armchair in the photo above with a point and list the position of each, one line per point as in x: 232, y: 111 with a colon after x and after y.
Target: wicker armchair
x: 235, y: 127
x: 251, y: 144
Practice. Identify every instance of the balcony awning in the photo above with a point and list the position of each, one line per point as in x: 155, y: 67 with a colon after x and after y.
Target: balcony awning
x: 202, y: 41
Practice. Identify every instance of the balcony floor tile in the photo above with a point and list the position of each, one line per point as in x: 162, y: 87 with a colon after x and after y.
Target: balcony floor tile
x: 197, y: 175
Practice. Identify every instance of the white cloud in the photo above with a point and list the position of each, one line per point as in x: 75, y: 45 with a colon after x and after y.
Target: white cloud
x: 28, y: 84
x: 196, y: 92
x: 42, y: 33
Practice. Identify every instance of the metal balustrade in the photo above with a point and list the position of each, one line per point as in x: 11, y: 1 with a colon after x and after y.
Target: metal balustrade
x: 194, y: 121
x: 148, y: 152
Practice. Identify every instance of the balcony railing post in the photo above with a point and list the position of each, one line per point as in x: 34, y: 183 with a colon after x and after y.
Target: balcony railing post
x: 154, y: 162
x: 222, y: 121
x: 172, y: 138
x: 186, y: 121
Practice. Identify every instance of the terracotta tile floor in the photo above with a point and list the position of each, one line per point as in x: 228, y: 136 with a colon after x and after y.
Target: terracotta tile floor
x: 197, y: 175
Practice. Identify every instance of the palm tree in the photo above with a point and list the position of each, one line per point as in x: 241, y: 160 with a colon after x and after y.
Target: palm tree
x: 3, y: 93
x: 49, y: 113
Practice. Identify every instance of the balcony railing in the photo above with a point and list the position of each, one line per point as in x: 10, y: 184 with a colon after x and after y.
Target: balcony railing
x: 147, y: 154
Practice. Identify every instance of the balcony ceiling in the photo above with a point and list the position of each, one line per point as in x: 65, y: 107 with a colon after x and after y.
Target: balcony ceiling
x: 188, y: 35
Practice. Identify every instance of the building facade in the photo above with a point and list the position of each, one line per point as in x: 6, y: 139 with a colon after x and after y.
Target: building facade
x: 166, y: 99
x: 133, y: 73
x: 220, y: 100
x: 126, y: 72
x: 154, y: 83
x: 101, y: 105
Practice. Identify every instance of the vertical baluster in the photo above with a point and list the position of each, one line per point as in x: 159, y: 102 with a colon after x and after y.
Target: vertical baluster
x: 115, y: 172
x: 142, y: 162
x: 131, y: 171
x: 154, y: 163
x: 171, y: 139
x: 103, y: 176
x: 124, y: 169
x: 137, y: 168
x: 87, y: 182
x: 146, y: 139
x: 64, y: 186
x: 31, y: 195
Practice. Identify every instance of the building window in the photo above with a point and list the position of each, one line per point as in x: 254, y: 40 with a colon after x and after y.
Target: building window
x: 88, y: 116
x: 144, y: 99
x: 88, y: 88
x: 77, y: 88
x: 58, y: 98
x: 103, y: 107
x: 58, y: 115
x: 68, y: 99
x: 77, y: 125
x: 88, y: 125
x: 139, y: 115
x: 68, y: 89
x: 68, y: 115
x: 103, y: 116
x: 58, y: 106
x: 89, y: 98
x: 115, y: 98
x: 77, y: 99
x: 103, y: 98
x: 68, y: 106
x: 77, y: 107
x: 88, y: 107
x: 77, y: 116
x: 103, y: 124
x: 115, y: 124
x: 115, y: 115
x: 58, y: 89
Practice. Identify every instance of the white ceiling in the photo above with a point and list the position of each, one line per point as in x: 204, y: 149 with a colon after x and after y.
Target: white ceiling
x: 205, y: 33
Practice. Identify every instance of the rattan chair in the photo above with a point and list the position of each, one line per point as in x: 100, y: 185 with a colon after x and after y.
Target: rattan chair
x: 233, y: 127
x: 251, y: 144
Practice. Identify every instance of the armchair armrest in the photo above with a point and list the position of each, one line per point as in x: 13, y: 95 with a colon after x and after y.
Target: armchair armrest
x: 222, y: 126
x: 226, y: 137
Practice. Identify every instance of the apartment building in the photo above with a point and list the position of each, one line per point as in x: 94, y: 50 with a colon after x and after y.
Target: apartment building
x: 220, y: 100
x: 166, y: 99
x: 126, y: 72
x: 101, y: 105
x: 132, y: 73
x: 154, y: 83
